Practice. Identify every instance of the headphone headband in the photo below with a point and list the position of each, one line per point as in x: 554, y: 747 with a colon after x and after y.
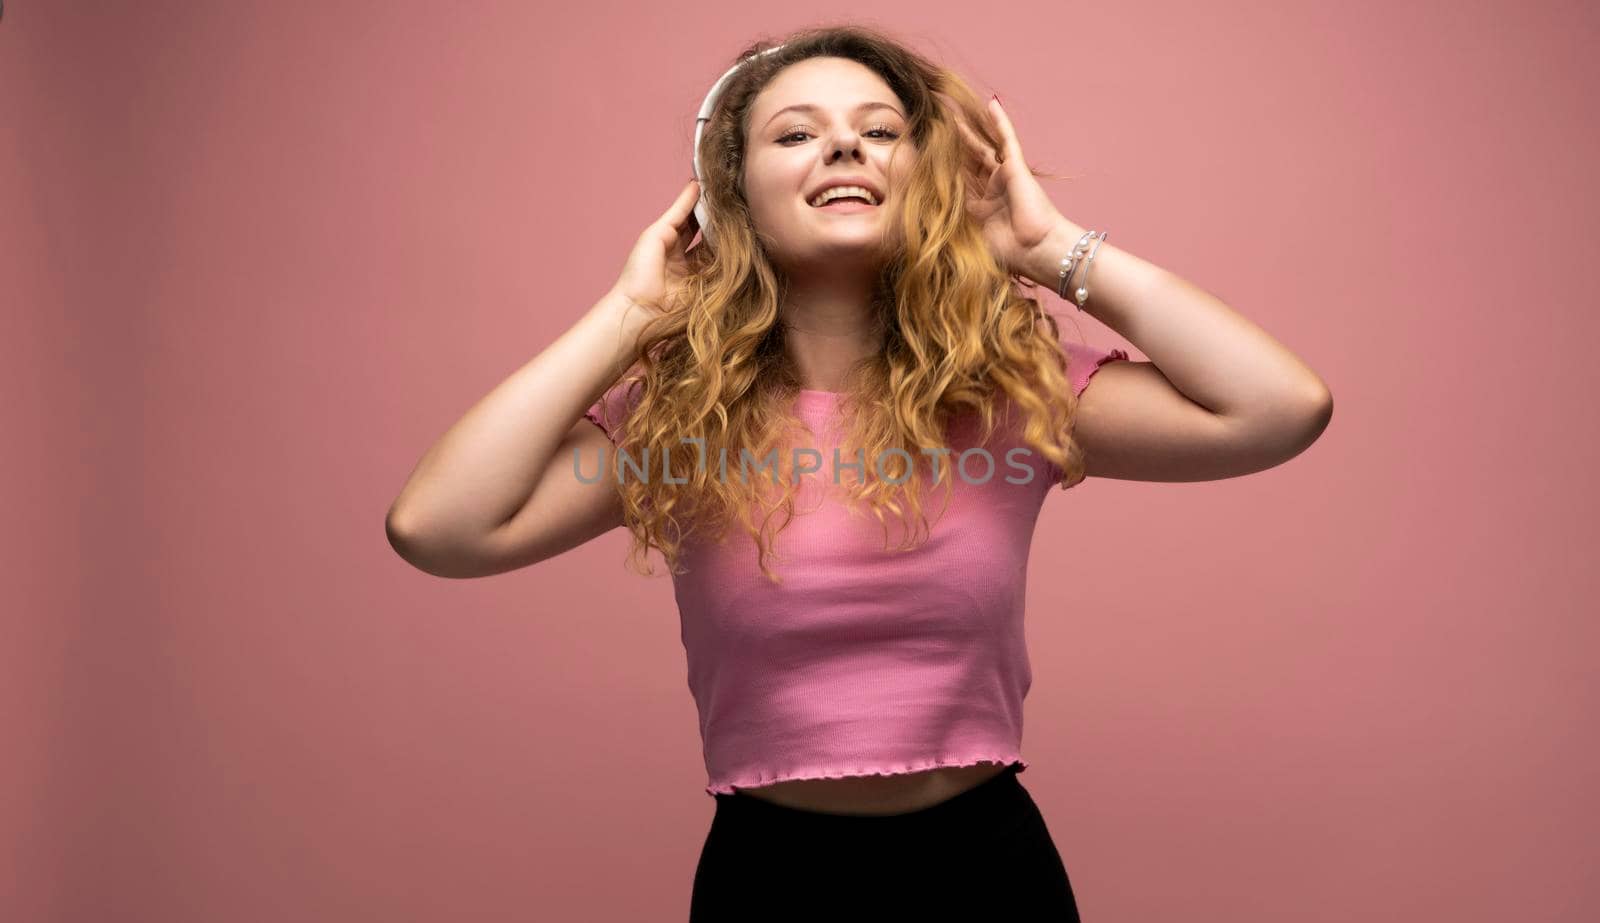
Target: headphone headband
x: 702, y: 213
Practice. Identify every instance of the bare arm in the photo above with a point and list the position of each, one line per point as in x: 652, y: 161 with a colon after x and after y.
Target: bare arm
x: 497, y: 491
x: 1220, y: 399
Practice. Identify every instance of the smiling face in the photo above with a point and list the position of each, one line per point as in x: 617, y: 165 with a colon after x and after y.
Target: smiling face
x: 852, y: 128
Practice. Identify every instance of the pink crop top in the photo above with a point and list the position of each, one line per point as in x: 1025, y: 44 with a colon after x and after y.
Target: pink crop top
x: 865, y: 661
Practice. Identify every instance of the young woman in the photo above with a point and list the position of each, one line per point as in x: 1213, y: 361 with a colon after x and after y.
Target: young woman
x: 848, y: 416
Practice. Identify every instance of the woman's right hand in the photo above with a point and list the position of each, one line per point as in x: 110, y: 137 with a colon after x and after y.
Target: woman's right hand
x: 658, y: 264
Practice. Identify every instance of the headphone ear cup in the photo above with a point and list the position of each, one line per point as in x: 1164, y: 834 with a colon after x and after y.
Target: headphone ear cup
x: 702, y: 217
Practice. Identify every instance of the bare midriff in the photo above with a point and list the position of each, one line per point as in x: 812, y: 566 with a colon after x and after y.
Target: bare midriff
x: 893, y: 794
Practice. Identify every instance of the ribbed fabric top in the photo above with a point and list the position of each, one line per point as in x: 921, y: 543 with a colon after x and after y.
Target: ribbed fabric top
x: 864, y: 661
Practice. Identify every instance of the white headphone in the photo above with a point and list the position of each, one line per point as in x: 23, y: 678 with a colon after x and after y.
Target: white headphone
x: 702, y: 213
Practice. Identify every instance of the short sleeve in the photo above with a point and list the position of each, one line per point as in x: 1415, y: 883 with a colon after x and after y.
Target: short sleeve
x: 1084, y: 360
x: 613, y: 407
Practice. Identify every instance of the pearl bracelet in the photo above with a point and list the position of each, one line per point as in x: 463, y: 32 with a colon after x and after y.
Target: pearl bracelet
x: 1070, y: 262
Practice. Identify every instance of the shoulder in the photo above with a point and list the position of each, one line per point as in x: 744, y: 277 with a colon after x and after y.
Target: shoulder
x: 1084, y: 360
x: 614, y: 406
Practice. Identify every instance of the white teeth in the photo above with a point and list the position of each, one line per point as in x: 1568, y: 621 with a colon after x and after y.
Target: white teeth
x: 828, y: 195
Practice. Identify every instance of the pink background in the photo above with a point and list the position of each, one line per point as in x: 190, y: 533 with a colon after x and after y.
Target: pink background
x: 256, y: 257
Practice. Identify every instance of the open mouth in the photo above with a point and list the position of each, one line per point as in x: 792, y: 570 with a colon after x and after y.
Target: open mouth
x: 842, y: 195
x: 845, y: 204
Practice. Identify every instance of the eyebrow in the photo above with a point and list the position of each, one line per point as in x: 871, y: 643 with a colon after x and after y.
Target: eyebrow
x: 811, y: 107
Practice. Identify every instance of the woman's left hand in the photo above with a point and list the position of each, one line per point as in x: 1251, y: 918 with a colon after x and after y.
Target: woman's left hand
x: 1012, y: 208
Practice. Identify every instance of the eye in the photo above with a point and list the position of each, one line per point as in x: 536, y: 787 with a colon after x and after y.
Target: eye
x: 888, y: 134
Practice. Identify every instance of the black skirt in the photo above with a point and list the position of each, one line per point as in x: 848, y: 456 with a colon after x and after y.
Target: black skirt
x: 984, y: 854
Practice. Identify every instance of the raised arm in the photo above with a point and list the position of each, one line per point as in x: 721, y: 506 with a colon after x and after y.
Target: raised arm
x: 497, y: 491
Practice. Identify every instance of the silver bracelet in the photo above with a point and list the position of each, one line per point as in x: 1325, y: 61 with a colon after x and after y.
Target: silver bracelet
x: 1082, y: 294
x: 1070, y: 263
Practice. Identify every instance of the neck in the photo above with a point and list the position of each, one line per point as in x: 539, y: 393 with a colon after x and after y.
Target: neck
x: 829, y: 326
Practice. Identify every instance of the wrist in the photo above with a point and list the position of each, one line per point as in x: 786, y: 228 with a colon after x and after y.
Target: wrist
x: 621, y: 312
x: 1043, y: 262
x: 619, y: 319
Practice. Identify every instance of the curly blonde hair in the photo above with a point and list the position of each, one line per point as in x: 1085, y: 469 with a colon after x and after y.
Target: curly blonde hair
x: 958, y: 334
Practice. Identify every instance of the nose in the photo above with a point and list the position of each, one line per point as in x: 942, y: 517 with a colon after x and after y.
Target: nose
x: 846, y: 142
